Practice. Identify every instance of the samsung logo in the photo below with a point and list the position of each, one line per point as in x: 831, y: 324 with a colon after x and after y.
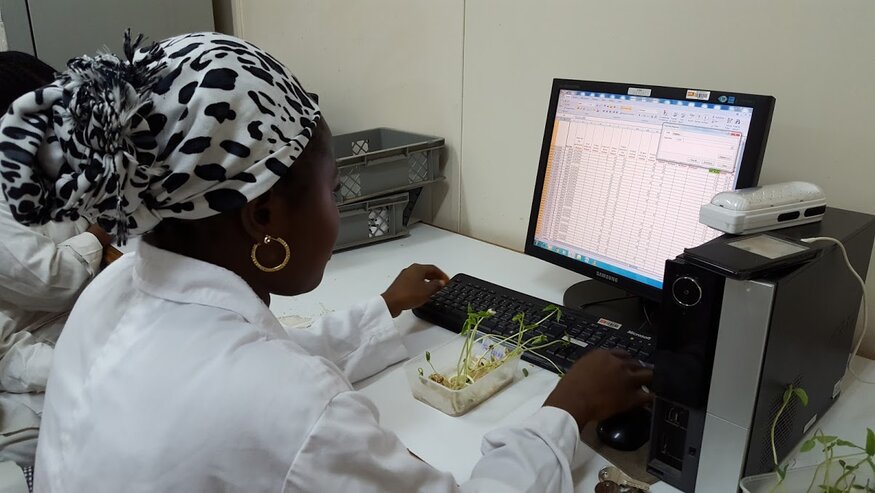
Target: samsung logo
x: 605, y: 276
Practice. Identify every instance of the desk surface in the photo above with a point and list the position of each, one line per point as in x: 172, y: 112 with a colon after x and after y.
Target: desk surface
x: 453, y: 444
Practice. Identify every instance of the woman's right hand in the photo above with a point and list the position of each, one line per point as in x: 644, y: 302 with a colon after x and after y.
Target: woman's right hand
x: 102, y: 236
x: 599, y: 385
x: 110, y: 253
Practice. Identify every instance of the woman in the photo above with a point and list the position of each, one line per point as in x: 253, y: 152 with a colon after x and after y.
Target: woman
x: 43, y: 268
x: 172, y: 374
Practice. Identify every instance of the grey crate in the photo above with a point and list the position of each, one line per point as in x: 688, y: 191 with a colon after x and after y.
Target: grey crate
x: 372, y: 220
x: 379, y: 161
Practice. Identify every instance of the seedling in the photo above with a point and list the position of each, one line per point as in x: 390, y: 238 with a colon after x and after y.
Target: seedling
x: 851, y: 458
x: 472, y: 366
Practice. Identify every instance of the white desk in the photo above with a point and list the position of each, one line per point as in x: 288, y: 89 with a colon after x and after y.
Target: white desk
x: 453, y: 444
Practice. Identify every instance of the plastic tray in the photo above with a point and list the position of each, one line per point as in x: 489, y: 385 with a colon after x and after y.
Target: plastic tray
x: 372, y: 221
x: 444, y: 358
x: 382, y: 160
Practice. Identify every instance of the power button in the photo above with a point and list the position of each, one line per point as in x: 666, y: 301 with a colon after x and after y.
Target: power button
x: 686, y: 291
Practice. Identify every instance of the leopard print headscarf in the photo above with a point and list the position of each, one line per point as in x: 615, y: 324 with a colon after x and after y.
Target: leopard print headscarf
x: 189, y: 127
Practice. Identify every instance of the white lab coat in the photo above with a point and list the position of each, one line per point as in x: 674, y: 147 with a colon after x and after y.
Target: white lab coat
x: 172, y: 375
x: 42, y: 270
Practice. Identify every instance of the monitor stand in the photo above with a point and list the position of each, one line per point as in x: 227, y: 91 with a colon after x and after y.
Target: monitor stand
x: 615, y: 304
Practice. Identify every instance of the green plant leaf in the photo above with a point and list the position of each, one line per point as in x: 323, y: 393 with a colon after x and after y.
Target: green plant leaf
x: 807, y: 445
x: 870, y: 442
x: 428, y: 356
x: 525, y: 372
x: 421, y: 373
x: 825, y: 439
x: 802, y: 395
x: 554, y: 309
x: 845, y: 443
x: 519, y: 318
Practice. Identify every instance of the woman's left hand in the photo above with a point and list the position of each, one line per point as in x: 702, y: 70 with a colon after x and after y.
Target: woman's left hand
x: 413, y: 287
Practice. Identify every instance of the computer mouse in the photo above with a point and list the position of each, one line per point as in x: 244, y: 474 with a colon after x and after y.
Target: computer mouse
x: 626, y: 431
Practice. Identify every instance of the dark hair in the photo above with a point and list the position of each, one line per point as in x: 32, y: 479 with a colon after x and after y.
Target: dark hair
x: 21, y: 73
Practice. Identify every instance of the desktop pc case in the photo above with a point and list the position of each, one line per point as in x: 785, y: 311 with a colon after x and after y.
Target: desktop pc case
x: 728, y: 347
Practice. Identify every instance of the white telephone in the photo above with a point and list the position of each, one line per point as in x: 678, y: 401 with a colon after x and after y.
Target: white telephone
x: 752, y: 210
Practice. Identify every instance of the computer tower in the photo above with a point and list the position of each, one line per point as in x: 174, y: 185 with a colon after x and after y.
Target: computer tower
x: 728, y: 346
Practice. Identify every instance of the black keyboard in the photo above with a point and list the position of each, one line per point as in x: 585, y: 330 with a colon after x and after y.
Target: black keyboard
x: 449, y: 308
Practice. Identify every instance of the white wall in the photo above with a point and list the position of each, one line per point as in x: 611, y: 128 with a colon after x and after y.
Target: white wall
x: 478, y: 73
x: 393, y: 63
x: 3, y: 45
x: 816, y: 58
x: 223, y: 16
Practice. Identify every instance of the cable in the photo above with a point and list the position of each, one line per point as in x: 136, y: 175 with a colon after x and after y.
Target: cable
x: 865, y: 309
x: 646, y: 315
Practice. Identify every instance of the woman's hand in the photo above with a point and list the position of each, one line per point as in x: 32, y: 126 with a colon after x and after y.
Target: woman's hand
x: 102, y: 236
x: 413, y: 287
x: 601, y: 384
x: 110, y: 255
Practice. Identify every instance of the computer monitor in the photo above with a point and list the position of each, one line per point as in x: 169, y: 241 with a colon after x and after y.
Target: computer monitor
x: 624, y: 169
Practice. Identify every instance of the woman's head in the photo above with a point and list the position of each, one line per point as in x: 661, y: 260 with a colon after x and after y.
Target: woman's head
x: 204, y: 129
x: 299, y: 209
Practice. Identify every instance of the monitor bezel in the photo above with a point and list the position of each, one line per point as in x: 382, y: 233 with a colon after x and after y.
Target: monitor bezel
x: 748, y: 173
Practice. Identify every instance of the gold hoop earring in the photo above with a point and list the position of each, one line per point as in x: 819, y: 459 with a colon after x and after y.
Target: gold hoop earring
x: 268, y: 239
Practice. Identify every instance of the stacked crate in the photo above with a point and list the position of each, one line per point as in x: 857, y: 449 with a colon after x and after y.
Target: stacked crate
x: 383, y: 174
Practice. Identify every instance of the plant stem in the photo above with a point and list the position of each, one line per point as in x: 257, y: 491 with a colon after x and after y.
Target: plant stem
x: 814, y: 478
x: 546, y: 317
x: 465, y: 365
x: 828, y: 462
x: 542, y: 346
x: 849, y: 470
x: 548, y: 360
x: 462, y: 365
x: 775, y: 424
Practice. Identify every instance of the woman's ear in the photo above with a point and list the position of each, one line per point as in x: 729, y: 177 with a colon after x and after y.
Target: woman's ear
x: 256, y: 216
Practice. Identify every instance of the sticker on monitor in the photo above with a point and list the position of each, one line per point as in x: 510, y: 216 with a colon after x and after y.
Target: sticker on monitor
x: 699, y: 95
x: 639, y: 91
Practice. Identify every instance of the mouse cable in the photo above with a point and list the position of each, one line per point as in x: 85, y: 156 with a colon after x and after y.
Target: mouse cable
x: 865, y: 310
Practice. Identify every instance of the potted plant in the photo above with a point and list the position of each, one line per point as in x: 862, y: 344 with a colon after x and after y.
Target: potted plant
x: 846, y: 466
x: 461, y: 374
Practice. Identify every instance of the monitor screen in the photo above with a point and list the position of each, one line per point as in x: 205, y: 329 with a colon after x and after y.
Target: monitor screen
x: 625, y: 168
